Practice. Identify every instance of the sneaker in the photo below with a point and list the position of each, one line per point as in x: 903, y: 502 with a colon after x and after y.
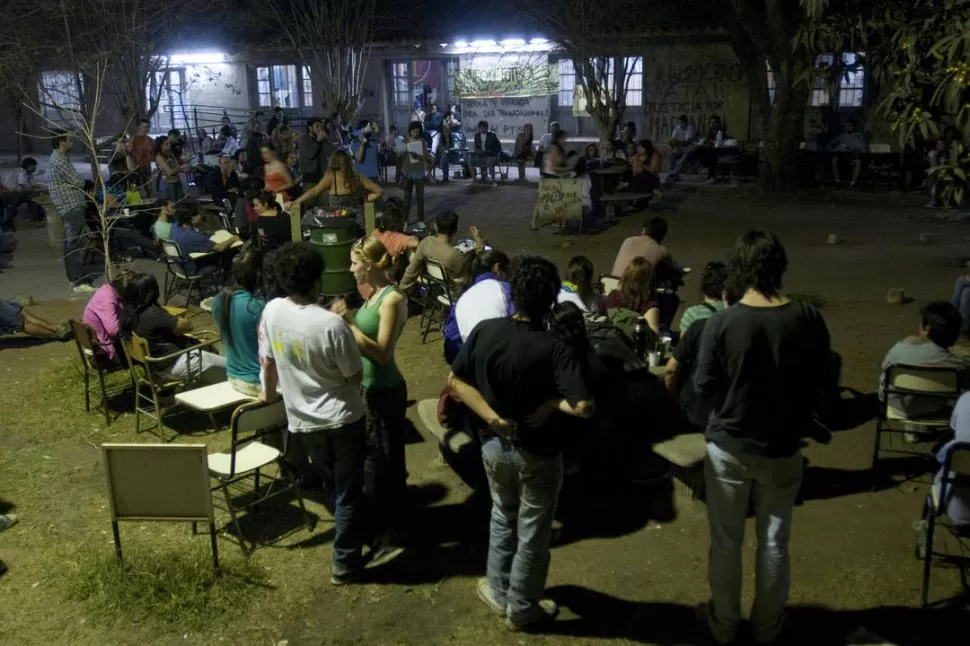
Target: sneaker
x: 486, y: 594
x: 8, y: 520
x: 83, y: 288
x: 382, y: 555
x: 343, y: 578
x: 64, y: 333
x: 711, y: 180
x: 536, y: 616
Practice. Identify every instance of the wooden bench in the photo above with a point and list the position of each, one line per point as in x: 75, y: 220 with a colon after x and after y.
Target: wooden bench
x: 612, y: 201
x: 685, y: 453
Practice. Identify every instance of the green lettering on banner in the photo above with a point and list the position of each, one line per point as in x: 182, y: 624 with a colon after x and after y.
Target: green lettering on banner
x: 559, y: 199
x: 524, y: 81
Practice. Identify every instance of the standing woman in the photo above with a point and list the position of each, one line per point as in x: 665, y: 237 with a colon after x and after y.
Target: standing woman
x: 236, y: 312
x: 343, y: 185
x: 377, y: 327
x: 276, y: 176
x: 272, y: 222
x: 415, y: 168
x: 169, y: 184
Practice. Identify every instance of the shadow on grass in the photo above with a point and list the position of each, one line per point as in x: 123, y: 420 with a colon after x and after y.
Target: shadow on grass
x: 591, y: 614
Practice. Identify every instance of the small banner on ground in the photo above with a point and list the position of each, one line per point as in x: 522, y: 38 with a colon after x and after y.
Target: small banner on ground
x: 505, y: 115
x: 522, y: 81
x: 559, y: 199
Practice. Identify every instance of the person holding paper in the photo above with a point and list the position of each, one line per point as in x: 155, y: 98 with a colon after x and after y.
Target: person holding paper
x: 186, y: 233
x: 415, y: 167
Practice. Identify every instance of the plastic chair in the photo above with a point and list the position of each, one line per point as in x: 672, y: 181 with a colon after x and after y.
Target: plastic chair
x: 955, y: 466
x: 440, y: 294
x: 93, y: 363
x: 248, y: 456
x: 937, y: 384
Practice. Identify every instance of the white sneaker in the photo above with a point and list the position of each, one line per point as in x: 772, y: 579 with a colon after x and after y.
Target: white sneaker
x: 83, y: 288
x: 486, y: 594
x: 8, y: 520
x: 536, y: 616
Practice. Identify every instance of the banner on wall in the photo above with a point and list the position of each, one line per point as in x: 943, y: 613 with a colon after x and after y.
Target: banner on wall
x: 541, y: 79
x: 505, y: 115
x: 579, y: 101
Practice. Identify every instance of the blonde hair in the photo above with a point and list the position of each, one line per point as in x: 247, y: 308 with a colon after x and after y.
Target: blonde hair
x: 373, y: 252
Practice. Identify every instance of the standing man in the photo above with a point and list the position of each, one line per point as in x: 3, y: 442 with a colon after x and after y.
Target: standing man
x: 513, y: 374
x: 763, y: 365
x: 309, y: 355
x: 682, y: 147
x: 66, y: 188
x: 367, y: 152
x: 141, y: 149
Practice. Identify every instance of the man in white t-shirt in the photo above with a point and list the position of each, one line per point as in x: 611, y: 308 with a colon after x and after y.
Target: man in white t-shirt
x: 682, y: 147
x: 309, y: 354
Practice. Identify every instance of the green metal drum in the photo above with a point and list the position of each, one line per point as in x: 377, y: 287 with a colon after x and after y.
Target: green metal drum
x: 334, y: 240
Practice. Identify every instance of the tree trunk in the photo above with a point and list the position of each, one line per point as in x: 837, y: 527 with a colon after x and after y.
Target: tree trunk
x: 605, y: 128
x: 780, y: 168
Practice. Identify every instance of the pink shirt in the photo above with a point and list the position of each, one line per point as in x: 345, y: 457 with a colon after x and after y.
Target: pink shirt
x: 102, y: 314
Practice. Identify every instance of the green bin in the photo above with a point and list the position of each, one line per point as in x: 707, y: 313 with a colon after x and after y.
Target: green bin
x: 334, y: 239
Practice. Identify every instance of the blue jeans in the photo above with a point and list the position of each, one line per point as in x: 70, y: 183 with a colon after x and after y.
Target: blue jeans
x: 678, y: 158
x: 340, y: 452
x: 525, y: 490
x: 961, y: 300
x: 75, y: 231
x: 730, y: 481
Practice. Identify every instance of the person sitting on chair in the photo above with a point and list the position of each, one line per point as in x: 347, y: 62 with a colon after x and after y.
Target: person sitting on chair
x: 957, y: 503
x: 850, y: 145
x: 487, y: 151
x: 522, y: 151
x: 186, y: 233
x: 939, y: 329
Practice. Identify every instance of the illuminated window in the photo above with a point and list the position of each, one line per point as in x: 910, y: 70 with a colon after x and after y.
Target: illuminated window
x: 852, y: 80
x: 59, y: 92
x: 772, y: 82
x: 400, y: 85
x: 277, y: 85
x: 821, y: 96
x: 307, y: 88
x: 633, y: 67
x: 567, y: 81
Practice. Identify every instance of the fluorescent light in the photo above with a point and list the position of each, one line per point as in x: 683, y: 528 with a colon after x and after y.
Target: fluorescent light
x: 197, y: 58
x: 461, y: 43
x: 513, y: 42
x: 539, y: 41
x: 483, y: 43
x: 442, y: 44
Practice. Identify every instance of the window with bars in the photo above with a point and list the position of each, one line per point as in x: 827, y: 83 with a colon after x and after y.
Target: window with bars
x: 451, y: 69
x: 852, y: 80
x: 821, y: 95
x: 307, y: 88
x: 634, y: 81
x: 567, y: 82
x: 173, y: 103
x: 60, y: 91
x: 277, y: 85
x: 401, y: 85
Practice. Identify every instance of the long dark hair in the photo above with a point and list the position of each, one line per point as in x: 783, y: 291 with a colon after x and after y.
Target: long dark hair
x: 140, y: 293
x: 246, y: 275
x: 566, y: 323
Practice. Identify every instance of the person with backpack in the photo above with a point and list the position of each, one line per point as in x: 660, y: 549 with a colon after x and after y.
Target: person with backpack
x: 712, y: 289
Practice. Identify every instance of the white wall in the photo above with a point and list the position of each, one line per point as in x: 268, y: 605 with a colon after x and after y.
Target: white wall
x: 215, y: 87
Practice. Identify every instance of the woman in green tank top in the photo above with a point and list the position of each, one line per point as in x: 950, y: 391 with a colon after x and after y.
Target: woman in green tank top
x: 377, y: 326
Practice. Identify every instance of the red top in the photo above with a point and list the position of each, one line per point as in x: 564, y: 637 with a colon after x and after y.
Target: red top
x: 142, y: 148
x: 274, y: 182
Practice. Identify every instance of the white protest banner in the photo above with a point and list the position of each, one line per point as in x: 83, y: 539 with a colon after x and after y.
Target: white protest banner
x: 505, y: 115
x: 559, y: 199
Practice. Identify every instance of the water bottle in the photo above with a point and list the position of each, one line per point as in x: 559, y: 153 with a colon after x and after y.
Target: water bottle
x: 640, y: 337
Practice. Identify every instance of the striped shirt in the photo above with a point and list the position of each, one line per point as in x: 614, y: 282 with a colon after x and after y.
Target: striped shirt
x: 65, y: 184
x: 697, y: 312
